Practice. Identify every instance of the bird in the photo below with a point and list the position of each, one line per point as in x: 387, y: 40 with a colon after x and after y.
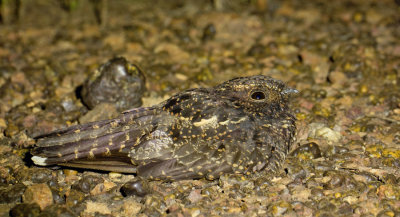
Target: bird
x: 241, y: 126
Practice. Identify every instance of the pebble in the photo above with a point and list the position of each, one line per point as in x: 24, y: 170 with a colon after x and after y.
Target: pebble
x: 12, y: 193
x: 74, y: 197
x: 25, y: 209
x: 40, y: 194
x: 307, y: 151
x: 131, y: 207
x: 88, y: 182
x: 117, y: 82
x: 102, y: 188
x: 137, y: 188
x: 114, y: 175
x: 319, y: 130
x: 97, y: 207
x: 209, y: 32
x: 195, y: 196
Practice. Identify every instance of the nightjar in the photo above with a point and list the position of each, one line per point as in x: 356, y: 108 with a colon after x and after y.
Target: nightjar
x: 243, y: 125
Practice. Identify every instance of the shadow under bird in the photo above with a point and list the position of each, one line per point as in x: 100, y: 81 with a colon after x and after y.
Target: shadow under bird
x: 243, y: 125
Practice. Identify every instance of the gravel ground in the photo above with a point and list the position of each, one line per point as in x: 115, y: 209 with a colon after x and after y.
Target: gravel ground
x: 343, y: 57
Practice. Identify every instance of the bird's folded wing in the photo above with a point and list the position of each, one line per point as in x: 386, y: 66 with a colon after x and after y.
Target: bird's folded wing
x: 109, y: 139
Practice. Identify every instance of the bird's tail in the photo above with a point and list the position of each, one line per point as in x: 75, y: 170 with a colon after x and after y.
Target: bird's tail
x: 108, y: 139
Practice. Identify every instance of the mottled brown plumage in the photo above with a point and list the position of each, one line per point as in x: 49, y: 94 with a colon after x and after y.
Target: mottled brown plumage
x: 240, y: 126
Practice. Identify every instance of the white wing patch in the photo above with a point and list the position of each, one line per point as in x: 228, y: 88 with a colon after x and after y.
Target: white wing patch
x: 41, y: 161
x: 207, y: 123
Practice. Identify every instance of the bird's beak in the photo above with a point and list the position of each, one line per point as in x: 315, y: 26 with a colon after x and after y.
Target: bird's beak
x: 290, y: 91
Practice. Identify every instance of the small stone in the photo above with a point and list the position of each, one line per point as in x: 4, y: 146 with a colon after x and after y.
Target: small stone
x: 176, y: 53
x: 3, y: 123
x: 387, y: 191
x: 114, y: 175
x: 74, y: 197
x: 71, y: 176
x: 194, y: 212
x: 117, y: 82
x: 96, y: 207
x: 234, y: 210
x: 337, y: 78
x: 329, y: 134
x: 195, y: 196
x: 102, y: 188
x: 40, y: 175
x: 297, y: 172
x: 153, y: 203
x: 58, y: 210
x: 257, y: 50
x: 40, y: 194
x: 12, y: 193
x: 339, y: 180
x: 181, y: 77
x: 209, y: 32
x: 319, y: 130
x: 11, y: 130
x: 279, y: 208
x: 87, y: 183
x: 307, y: 151
x: 4, y: 149
x: 350, y: 199
x: 336, y: 150
x: 138, y: 188
x: 25, y: 209
x: 69, y: 172
x: 117, y: 41
x: 131, y: 207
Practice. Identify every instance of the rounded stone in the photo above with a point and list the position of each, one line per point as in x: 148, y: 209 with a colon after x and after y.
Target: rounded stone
x: 40, y: 194
x: 118, y: 82
x: 137, y: 188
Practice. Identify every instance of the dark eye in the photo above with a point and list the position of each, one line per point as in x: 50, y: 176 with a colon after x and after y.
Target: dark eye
x: 258, y: 95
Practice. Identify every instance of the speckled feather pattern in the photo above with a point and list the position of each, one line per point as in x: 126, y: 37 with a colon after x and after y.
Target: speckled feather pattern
x: 240, y: 126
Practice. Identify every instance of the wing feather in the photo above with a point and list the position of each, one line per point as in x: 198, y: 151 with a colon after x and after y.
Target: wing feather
x: 103, y: 138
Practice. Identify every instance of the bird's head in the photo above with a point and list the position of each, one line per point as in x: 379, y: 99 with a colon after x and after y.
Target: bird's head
x: 259, y: 94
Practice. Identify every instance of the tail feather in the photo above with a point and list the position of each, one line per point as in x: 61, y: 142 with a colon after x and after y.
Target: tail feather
x: 116, y: 166
x: 87, y: 141
x: 75, y: 129
x: 138, y: 116
x: 106, y: 145
x: 81, y: 146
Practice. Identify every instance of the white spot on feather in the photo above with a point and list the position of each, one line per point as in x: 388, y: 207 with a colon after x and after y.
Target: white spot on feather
x: 41, y: 161
x: 207, y: 123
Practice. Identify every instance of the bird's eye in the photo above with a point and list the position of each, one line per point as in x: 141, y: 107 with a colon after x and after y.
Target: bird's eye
x: 258, y: 95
